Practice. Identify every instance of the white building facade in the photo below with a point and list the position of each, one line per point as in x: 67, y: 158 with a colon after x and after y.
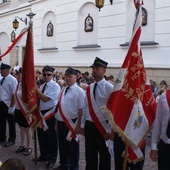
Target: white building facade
x: 80, y: 32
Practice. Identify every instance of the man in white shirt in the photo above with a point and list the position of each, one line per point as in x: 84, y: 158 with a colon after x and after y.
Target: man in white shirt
x: 97, y: 129
x: 47, y: 136
x: 160, y: 144
x: 70, y: 108
x: 8, y: 86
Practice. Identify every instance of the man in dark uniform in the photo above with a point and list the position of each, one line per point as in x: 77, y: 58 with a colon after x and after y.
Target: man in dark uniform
x: 8, y: 85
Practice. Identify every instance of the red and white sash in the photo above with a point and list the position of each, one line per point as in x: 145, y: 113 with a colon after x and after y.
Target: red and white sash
x: 95, y: 111
x: 70, y: 124
x: 45, y: 117
x: 23, y: 107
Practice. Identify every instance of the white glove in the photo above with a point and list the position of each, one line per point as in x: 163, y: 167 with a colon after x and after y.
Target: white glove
x: 11, y: 110
x: 109, y: 144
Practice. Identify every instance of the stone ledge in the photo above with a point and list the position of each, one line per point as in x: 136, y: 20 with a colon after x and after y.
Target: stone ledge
x: 47, y: 49
x: 143, y: 43
x: 87, y: 46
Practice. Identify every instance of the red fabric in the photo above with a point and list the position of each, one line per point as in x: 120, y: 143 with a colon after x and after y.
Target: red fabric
x: 132, y: 155
x: 29, y: 94
x: 93, y: 115
x: 168, y: 97
x: 13, y: 44
x: 133, y: 89
x: 0, y: 55
x: 49, y: 116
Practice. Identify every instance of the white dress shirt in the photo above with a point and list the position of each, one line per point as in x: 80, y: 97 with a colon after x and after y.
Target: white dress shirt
x: 8, y: 89
x: 72, y: 102
x: 52, y: 91
x: 161, y: 122
x: 102, y: 93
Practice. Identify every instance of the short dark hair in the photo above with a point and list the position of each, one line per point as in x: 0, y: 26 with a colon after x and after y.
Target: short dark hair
x: 13, y: 163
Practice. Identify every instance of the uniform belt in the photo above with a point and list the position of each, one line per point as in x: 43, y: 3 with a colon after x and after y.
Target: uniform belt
x: 93, y: 122
x: 163, y: 143
x: 45, y: 111
x: 88, y: 121
x: 74, y: 120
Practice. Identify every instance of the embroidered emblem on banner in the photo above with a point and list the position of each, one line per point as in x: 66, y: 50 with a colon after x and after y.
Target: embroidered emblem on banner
x: 138, y: 120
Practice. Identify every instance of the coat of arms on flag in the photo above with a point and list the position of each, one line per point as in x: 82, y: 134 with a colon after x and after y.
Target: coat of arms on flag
x: 131, y: 106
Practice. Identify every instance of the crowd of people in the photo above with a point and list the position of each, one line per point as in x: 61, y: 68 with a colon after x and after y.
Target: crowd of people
x: 70, y: 106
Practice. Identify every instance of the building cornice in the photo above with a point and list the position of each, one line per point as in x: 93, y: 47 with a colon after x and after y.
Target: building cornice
x: 15, y: 10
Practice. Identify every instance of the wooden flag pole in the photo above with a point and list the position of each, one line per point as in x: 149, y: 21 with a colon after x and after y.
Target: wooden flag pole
x: 125, y: 157
x: 35, y: 146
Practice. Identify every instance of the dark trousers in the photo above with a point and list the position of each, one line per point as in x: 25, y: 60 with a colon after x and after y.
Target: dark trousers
x: 96, y: 152
x: 119, y: 147
x: 69, y: 150
x: 48, y: 141
x: 4, y: 116
x: 163, y: 156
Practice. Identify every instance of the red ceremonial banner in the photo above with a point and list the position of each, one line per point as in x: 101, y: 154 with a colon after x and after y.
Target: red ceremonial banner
x: 29, y: 94
x: 131, y: 105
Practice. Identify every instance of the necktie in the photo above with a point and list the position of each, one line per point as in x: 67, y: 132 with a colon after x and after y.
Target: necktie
x: 2, y: 80
x: 43, y: 89
x: 66, y: 90
x: 168, y: 129
x: 94, y: 90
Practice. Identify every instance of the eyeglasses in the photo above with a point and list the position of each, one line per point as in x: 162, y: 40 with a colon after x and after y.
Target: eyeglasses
x: 46, y: 74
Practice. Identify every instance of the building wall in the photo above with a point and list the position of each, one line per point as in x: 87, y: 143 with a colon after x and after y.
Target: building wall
x: 71, y: 46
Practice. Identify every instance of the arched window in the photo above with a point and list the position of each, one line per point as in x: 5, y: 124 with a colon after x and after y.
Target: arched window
x: 48, y: 32
x: 87, y: 26
x: 148, y: 21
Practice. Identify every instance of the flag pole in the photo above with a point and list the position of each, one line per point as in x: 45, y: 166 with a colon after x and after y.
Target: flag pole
x: 31, y: 15
x: 35, y: 131
x: 35, y: 146
x: 125, y: 157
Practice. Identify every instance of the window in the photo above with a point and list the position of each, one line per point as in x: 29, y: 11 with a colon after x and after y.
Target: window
x: 87, y: 26
x: 148, y: 21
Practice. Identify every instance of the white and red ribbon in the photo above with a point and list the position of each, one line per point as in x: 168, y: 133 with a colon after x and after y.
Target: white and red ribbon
x: 16, y: 41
